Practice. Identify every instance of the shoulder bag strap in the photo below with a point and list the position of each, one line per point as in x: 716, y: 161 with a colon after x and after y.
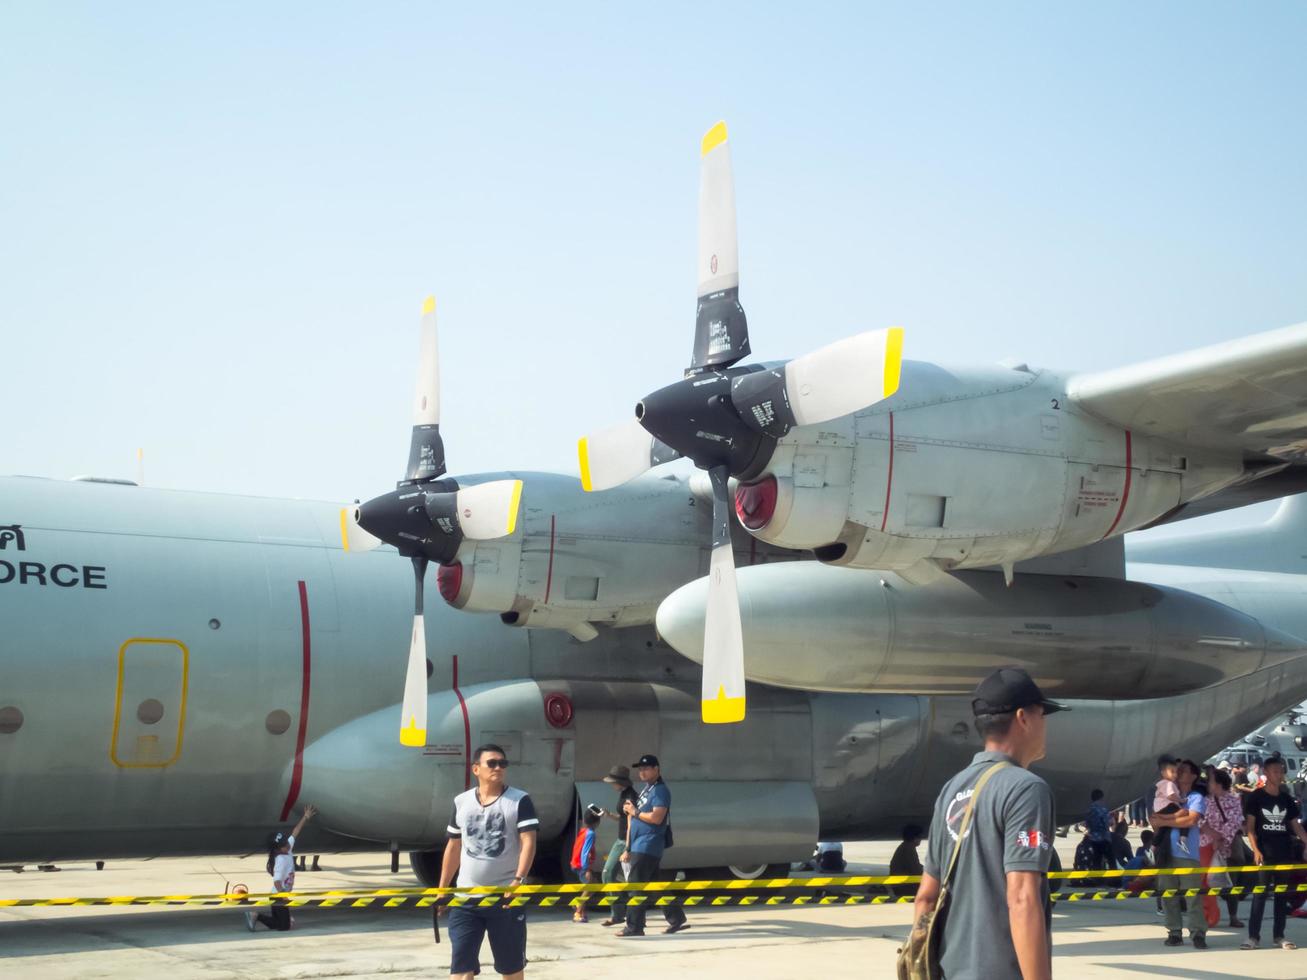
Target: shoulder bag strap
x: 966, y: 818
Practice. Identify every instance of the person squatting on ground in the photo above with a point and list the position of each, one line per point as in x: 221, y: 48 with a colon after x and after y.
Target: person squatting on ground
x: 614, y: 865
x: 999, y: 915
x: 491, y: 841
x: 1098, y: 829
x: 1182, y: 850
x: 281, y: 866
x: 1272, y: 820
x: 647, y: 838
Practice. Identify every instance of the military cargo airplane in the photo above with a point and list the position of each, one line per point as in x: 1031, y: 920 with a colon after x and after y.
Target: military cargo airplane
x: 181, y: 669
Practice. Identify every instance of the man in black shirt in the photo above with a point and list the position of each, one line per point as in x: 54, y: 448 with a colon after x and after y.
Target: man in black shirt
x: 620, y: 778
x: 1271, y: 820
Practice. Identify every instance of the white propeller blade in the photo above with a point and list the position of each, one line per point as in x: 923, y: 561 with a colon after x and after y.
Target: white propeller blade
x: 413, y: 722
x: 614, y: 456
x: 353, y: 537
x: 719, y: 257
x: 845, y: 376
x: 426, y: 401
x: 426, y: 451
x: 488, y: 510
x: 723, y: 640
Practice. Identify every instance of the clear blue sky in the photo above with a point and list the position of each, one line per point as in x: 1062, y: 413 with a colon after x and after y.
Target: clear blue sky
x: 217, y: 222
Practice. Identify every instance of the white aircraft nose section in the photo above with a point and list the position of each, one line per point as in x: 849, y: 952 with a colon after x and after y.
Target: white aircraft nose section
x: 681, y: 617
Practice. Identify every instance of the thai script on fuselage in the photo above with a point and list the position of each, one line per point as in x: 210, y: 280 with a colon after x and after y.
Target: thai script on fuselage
x: 62, y: 574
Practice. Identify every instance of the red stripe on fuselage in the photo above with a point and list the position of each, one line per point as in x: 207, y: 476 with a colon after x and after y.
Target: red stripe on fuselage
x: 297, y: 770
x: 889, y: 480
x: 549, y: 575
x: 467, y: 730
x: 1125, y: 492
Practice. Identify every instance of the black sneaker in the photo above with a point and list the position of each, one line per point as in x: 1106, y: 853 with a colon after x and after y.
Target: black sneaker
x: 627, y: 932
x: 1200, y: 940
x: 1173, y: 939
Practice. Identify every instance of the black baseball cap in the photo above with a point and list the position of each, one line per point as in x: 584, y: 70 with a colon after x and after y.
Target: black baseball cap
x: 1007, y: 689
x: 646, y: 760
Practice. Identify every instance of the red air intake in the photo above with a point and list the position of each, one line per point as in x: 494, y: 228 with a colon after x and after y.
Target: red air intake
x: 755, y: 503
x: 449, y: 579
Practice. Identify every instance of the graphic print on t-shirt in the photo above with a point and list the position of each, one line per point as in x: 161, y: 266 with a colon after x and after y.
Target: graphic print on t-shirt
x: 957, y: 809
x: 486, y: 834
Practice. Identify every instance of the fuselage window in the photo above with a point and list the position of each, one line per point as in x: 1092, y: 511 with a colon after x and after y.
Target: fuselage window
x: 149, y: 712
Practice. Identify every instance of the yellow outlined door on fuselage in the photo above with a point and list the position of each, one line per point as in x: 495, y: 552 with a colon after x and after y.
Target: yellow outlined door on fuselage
x: 150, y: 711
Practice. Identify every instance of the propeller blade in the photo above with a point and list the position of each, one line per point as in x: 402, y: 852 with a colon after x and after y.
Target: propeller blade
x: 352, y: 536
x: 426, y: 452
x: 721, y: 332
x: 413, y: 721
x: 488, y: 510
x: 723, y: 641
x: 845, y: 376
x: 620, y: 454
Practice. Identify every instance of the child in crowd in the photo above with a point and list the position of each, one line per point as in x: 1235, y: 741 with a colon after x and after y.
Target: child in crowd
x: 584, y: 860
x: 1167, y: 800
x: 281, y: 866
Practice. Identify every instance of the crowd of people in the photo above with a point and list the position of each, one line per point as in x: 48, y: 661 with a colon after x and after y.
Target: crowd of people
x: 998, y: 921
x: 1224, y: 815
x: 1193, y: 817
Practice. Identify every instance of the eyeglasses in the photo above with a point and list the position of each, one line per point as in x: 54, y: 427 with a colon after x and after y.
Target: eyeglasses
x: 494, y: 763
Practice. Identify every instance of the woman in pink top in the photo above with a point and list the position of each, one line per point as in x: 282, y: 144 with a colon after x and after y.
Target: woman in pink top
x: 1216, y: 834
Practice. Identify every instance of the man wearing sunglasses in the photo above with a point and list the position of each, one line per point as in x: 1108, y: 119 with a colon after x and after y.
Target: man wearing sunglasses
x: 646, y: 839
x: 491, y: 841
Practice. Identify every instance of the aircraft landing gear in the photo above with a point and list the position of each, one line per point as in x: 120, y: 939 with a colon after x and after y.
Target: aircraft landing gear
x: 426, y: 866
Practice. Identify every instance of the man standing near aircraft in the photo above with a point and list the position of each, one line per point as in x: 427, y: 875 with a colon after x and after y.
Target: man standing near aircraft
x: 999, y: 917
x: 491, y: 841
x: 1272, y: 821
x: 646, y: 841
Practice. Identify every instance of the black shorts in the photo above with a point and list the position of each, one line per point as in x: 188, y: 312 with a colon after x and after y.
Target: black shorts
x: 507, y: 931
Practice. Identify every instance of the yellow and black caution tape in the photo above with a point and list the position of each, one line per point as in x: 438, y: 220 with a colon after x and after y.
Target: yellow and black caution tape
x: 772, y: 891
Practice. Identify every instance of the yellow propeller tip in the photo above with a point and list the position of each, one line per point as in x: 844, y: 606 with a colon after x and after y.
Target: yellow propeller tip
x: 722, y: 710
x: 428, y: 305
x: 344, y: 529
x: 412, y: 736
x: 513, y: 506
x: 893, y: 360
x: 712, y: 139
x: 583, y: 455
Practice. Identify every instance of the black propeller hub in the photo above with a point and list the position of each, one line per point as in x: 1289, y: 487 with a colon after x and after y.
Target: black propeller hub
x: 698, y: 418
x: 419, y: 519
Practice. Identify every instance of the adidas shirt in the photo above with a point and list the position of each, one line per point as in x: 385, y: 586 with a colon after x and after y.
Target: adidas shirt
x: 489, y: 834
x: 1271, y: 816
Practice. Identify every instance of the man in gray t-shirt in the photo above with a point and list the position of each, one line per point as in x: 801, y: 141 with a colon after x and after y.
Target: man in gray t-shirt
x: 999, y: 918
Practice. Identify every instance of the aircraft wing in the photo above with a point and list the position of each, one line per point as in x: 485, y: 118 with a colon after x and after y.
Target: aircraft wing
x: 1247, y: 395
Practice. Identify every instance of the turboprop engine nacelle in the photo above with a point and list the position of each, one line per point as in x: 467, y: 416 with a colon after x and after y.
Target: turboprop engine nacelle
x: 808, y: 625
x: 568, y: 565
x: 968, y: 469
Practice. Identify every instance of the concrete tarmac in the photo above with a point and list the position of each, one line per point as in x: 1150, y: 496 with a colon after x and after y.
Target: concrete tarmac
x: 1121, y: 939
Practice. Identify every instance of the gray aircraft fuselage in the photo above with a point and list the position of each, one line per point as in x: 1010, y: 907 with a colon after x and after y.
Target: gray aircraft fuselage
x: 179, y: 672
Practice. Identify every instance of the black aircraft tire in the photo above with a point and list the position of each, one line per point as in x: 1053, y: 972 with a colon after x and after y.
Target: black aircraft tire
x: 426, y: 866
